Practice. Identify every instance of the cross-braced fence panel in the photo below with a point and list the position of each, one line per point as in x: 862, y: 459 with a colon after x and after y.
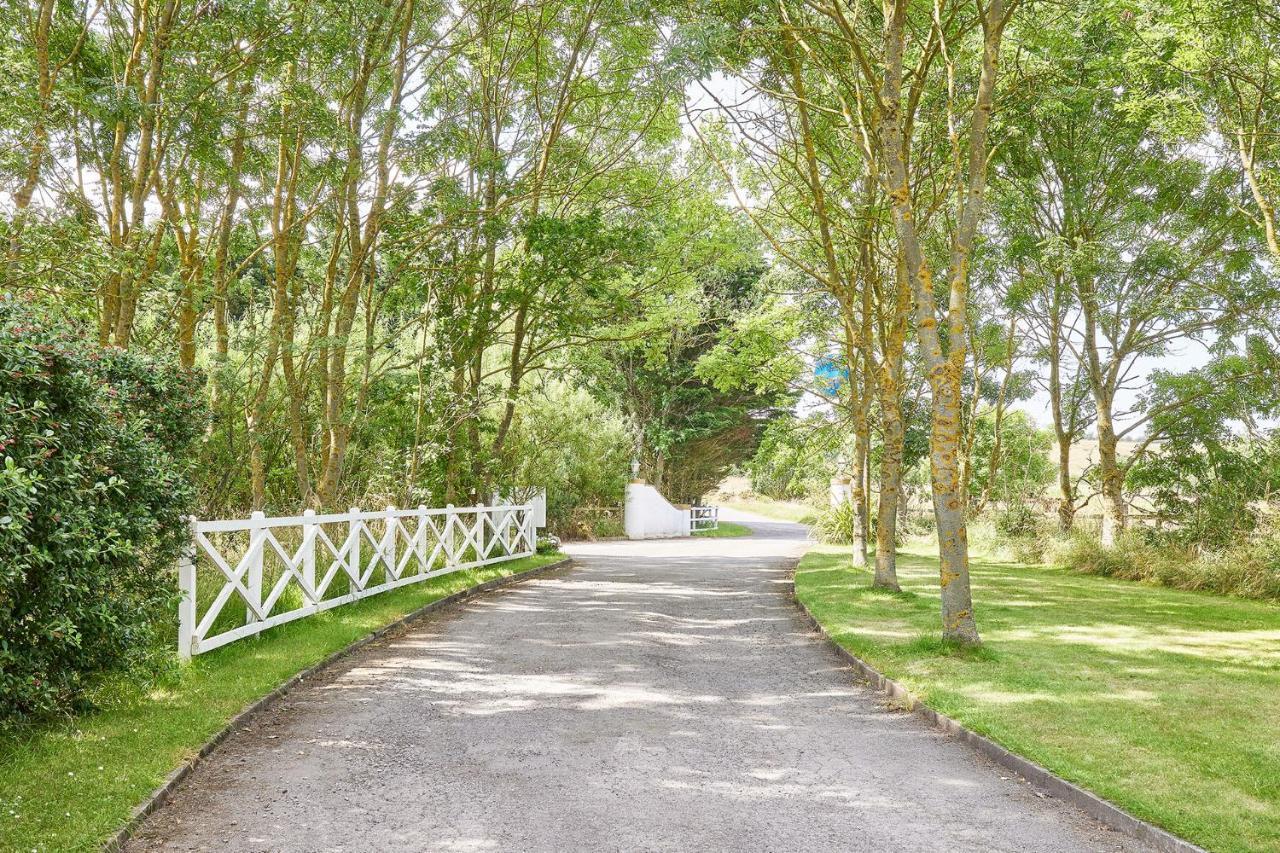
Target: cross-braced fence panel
x: 704, y: 518
x: 246, y: 575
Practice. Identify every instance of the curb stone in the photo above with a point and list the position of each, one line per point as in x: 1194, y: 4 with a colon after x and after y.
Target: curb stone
x: 1110, y: 816
x: 162, y: 794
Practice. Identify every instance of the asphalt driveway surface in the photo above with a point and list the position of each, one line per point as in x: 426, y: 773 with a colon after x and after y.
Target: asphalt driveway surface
x: 655, y: 696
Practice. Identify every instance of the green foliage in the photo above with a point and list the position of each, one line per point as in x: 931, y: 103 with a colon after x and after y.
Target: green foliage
x: 690, y: 423
x: 835, y: 525
x: 795, y: 459
x: 1024, y: 467
x: 96, y: 444
x: 570, y: 444
x: 1250, y: 569
x: 1210, y: 486
x: 1018, y: 520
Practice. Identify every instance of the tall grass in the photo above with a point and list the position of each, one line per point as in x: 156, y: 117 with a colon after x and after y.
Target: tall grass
x: 1250, y: 569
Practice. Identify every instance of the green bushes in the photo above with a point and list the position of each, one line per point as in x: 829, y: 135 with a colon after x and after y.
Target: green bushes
x: 1250, y: 569
x: 835, y: 525
x: 580, y: 451
x: 94, y: 445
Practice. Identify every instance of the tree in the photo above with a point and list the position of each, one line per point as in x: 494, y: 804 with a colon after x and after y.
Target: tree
x: 952, y: 40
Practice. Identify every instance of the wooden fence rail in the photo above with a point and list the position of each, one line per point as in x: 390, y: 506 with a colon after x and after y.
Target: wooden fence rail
x: 704, y: 518
x: 285, y: 568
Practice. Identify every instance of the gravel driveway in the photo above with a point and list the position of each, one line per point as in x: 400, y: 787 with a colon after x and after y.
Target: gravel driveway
x: 656, y: 696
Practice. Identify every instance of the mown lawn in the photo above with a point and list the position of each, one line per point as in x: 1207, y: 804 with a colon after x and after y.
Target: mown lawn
x: 1163, y: 702
x: 70, y: 786
x: 725, y: 530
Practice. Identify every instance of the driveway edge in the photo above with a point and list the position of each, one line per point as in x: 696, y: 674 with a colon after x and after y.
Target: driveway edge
x: 1091, y: 804
x: 161, y: 795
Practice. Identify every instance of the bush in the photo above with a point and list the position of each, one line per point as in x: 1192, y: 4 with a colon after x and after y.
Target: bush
x: 1018, y: 520
x: 92, y: 493
x: 579, y: 451
x: 835, y: 525
x: 1250, y: 569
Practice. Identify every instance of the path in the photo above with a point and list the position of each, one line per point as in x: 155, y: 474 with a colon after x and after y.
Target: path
x: 658, y: 696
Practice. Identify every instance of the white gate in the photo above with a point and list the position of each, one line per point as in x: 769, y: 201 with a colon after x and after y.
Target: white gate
x: 704, y: 518
x: 281, y: 569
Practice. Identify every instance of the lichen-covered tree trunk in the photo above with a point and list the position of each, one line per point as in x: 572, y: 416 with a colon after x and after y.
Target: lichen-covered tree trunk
x: 1114, y: 515
x: 945, y: 366
x: 859, y: 400
x: 893, y: 430
x: 949, y: 506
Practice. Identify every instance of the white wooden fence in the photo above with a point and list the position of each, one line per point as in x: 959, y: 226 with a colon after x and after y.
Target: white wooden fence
x: 281, y: 569
x: 704, y: 518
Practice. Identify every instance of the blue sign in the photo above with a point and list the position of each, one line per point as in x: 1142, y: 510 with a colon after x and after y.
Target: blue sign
x: 830, y: 374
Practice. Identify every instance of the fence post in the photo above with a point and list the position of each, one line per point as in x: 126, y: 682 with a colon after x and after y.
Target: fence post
x: 388, y: 548
x: 480, y: 517
x: 450, y: 555
x: 187, y: 587
x: 309, y: 555
x: 420, y: 540
x: 257, y: 539
x: 353, y: 553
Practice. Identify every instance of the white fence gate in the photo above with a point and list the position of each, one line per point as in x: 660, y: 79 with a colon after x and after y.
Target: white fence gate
x: 704, y: 518
x: 281, y: 569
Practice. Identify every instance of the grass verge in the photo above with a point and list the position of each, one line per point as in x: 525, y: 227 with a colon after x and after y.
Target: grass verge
x: 781, y: 510
x: 70, y: 786
x: 725, y: 530
x: 1161, y: 701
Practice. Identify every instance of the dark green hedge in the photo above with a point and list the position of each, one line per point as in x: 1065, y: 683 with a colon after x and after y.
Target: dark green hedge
x: 94, y: 449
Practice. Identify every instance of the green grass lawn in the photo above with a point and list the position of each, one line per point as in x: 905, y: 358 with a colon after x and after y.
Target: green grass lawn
x: 1163, y: 702
x: 71, y: 785
x: 781, y: 510
x: 726, y: 529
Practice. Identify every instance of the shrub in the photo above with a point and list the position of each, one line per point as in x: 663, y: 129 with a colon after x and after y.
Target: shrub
x: 1250, y: 569
x: 835, y: 525
x: 1018, y: 520
x: 94, y: 444
x: 579, y: 451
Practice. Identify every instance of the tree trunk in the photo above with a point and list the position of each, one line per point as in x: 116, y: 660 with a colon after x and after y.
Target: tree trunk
x: 859, y: 398
x: 1113, y: 504
x: 222, y: 249
x: 1063, y: 435
x: 893, y: 429
x: 993, y: 467
x: 945, y: 368
x: 1246, y: 144
x: 1067, y: 497
x: 39, y: 131
x: 1103, y: 380
x: 891, y: 426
